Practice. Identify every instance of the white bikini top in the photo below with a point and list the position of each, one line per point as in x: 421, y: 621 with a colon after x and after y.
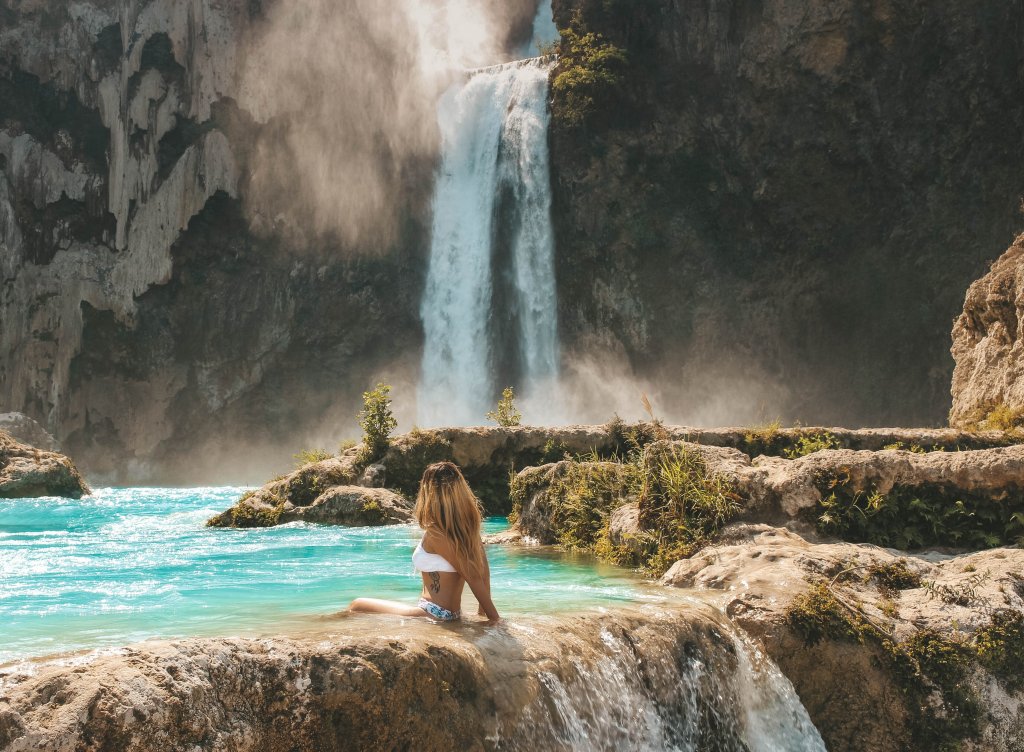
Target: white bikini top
x: 425, y: 561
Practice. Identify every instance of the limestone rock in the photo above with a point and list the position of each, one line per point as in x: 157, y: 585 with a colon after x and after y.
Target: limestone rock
x: 757, y: 571
x: 988, y: 342
x: 352, y: 506
x: 29, y: 472
x: 367, y: 683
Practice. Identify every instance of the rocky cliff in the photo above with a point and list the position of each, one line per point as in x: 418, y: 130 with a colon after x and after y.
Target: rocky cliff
x: 778, y: 212
x: 781, y: 204
x: 988, y: 382
x: 145, y: 319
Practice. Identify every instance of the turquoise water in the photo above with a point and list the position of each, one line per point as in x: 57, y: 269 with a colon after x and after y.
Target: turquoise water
x: 125, y: 565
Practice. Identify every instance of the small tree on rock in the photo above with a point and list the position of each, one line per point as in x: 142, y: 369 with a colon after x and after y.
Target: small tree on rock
x: 377, y: 422
x: 506, y: 414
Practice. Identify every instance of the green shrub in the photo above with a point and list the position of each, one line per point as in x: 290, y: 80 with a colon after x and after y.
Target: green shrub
x: 590, y: 70
x: 682, y: 503
x: 377, y: 422
x: 811, y: 443
x: 912, y: 518
x: 309, y: 456
x: 506, y: 414
x: 763, y: 439
x: 1000, y: 647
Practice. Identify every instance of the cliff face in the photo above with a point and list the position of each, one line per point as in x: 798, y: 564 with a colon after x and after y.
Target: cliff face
x: 144, y: 319
x: 778, y: 215
x: 782, y: 208
x: 987, y: 345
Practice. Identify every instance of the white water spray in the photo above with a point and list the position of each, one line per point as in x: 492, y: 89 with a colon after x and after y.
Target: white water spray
x: 494, y: 148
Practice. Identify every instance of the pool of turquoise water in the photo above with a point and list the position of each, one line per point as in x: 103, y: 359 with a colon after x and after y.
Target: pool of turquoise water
x: 128, y: 564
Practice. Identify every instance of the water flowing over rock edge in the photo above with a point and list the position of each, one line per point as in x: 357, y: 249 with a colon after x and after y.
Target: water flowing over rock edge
x: 674, y: 677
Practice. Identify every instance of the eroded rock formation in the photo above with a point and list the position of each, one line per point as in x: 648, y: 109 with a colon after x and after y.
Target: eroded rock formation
x: 988, y: 344
x: 29, y: 472
x: 929, y: 602
x: 652, y: 678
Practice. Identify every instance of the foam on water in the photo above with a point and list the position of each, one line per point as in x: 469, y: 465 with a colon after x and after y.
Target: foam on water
x: 129, y: 564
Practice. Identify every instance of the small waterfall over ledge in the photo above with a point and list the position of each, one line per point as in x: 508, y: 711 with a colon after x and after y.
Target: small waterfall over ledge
x: 489, y: 308
x: 675, y: 681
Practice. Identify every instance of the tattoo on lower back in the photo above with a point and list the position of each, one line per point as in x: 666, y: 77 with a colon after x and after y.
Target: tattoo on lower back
x: 435, y: 582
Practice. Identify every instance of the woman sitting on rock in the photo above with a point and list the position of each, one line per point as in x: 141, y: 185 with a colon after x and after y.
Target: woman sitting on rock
x: 450, y: 554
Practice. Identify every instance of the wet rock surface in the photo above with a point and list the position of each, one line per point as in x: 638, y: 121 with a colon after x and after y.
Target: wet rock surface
x: 534, y: 684
x: 29, y: 472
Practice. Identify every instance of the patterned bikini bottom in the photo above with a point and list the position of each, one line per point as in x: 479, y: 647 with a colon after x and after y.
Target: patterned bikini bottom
x: 437, y: 612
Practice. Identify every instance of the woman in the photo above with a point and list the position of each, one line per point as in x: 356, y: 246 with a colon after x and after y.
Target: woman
x: 450, y: 554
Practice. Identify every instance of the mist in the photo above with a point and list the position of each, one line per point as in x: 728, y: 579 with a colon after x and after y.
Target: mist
x: 347, y: 95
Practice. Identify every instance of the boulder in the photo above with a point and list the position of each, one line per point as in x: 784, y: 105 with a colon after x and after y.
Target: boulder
x: 28, y: 472
x: 352, y: 506
x: 988, y: 343
x: 757, y: 573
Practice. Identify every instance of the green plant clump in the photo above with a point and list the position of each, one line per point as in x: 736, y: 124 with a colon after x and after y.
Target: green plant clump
x: 1000, y: 647
x: 309, y: 456
x: 763, y: 439
x: 910, y: 518
x: 590, y: 70
x: 930, y: 669
x: 811, y: 443
x: 377, y: 422
x: 506, y: 415
x: 682, y: 504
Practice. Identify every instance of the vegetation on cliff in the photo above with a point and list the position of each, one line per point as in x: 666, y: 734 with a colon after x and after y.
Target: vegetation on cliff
x: 589, y: 74
x: 934, y: 670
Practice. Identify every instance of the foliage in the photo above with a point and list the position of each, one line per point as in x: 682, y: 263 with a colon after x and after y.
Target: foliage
x: 995, y: 416
x: 962, y: 594
x: 763, y: 439
x: 915, y: 448
x: 930, y: 668
x: 913, y: 518
x: 506, y: 414
x: 810, y: 443
x: 590, y: 70
x: 682, y: 503
x: 309, y: 456
x: 1002, y: 417
x: 553, y: 451
x: 1000, y: 648
x: 894, y: 577
x: 377, y: 422
x: 346, y: 445
x: 585, y: 495
x: 817, y: 615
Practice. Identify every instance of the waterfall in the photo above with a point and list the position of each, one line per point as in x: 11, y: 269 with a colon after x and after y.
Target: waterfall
x: 684, y: 683
x: 489, y: 307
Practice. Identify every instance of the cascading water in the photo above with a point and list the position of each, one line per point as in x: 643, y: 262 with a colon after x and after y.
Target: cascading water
x: 682, y: 681
x: 489, y: 308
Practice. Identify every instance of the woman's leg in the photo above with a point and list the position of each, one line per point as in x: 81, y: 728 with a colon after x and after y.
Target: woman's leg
x: 377, y: 606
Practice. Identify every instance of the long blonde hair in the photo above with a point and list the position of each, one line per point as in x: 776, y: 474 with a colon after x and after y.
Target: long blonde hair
x: 446, y: 503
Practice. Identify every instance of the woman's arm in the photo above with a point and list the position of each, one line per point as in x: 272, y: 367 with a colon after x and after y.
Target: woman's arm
x: 481, y: 587
x: 479, y: 583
